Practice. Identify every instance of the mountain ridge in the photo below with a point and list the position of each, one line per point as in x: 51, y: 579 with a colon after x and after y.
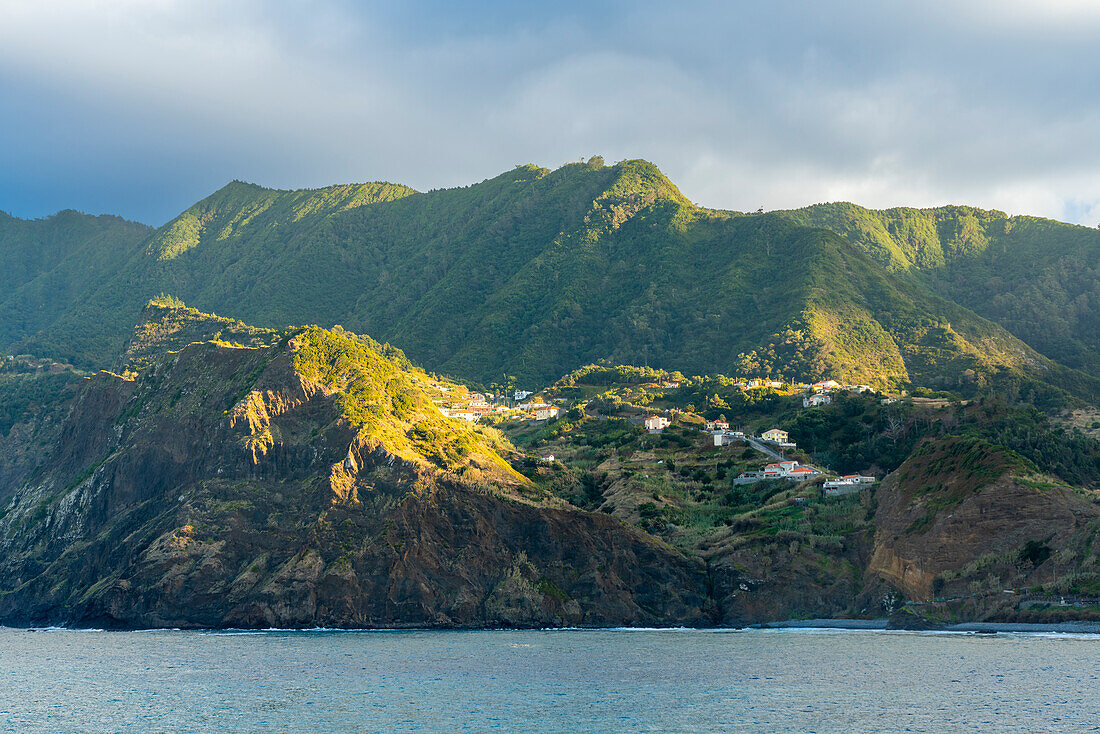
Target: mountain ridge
x: 529, y: 274
x: 1038, y: 277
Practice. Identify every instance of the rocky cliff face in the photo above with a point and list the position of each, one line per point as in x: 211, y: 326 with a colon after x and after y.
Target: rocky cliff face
x: 963, y: 519
x: 243, y: 486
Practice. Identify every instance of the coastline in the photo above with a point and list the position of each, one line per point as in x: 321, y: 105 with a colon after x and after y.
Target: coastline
x: 1089, y: 628
x: 855, y: 625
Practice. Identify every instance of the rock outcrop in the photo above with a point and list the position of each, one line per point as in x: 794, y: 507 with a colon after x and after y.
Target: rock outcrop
x: 249, y: 487
x: 960, y: 510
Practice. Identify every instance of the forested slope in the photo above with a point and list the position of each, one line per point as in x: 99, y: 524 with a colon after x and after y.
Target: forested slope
x: 48, y: 265
x: 1038, y: 278
x: 535, y: 272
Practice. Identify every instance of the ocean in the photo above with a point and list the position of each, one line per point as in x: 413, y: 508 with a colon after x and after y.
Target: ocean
x: 802, y: 680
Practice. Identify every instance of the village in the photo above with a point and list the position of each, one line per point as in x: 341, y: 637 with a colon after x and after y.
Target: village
x: 475, y: 406
x: 478, y: 407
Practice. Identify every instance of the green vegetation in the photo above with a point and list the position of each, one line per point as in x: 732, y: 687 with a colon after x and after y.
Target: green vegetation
x: 856, y: 432
x: 1038, y: 278
x: 31, y: 390
x: 379, y: 396
x: 533, y: 273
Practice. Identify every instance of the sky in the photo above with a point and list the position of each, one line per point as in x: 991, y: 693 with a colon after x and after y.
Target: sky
x: 142, y: 107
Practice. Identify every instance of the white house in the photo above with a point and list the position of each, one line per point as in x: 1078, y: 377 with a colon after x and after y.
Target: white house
x: 522, y: 394
x: 847, y: 484
x: 548, y: 412
x: 839, y: 487
x: 820, y: 398
x: 725, y: 438
x: 781, y: 469
x: 826, y: 385
x: 657, y: 423
x: 775, y: 436
x: 790, y: 470
x: 718, y: 425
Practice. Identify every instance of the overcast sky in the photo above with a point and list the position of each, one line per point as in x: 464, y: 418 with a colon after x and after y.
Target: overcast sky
x: 141, y: 107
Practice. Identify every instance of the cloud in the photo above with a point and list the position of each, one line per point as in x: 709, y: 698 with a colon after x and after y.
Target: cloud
x: 142, y: 106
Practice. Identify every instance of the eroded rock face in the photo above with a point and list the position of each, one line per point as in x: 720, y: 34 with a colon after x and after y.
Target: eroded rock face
x: 221, y: 488
x: 938, y: 522
x: 1000, y: 519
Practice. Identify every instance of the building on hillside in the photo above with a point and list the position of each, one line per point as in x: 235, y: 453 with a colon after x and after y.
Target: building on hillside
x: 522, y: 394
x: 718, y: 425
x: 774, y: 436
x: 773, y: 383
x: 462, y: 413
x: 780, y: 469
x: 548, y: 412
x: 826, y: 385
x: 819, y: 398
x: 847, y: 484
x: 789, y: 470
x: 671, y: 384
x: 838, y: 487
x: 725, y: 438
x: 655, y: 423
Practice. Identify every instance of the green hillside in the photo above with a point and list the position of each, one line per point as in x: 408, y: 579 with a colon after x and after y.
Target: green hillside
x: 534, y: 272
x: 47, y: 265
x: 1038, y: 278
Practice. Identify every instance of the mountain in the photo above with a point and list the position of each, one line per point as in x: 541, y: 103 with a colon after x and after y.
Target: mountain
x: 48, y: 265
x: 236, y: 476
x: 1038, y: 278
x: 533, y: 273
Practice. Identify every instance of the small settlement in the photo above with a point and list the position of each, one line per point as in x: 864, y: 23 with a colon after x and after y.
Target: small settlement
x: 474, y: 406
x: 819, y: 393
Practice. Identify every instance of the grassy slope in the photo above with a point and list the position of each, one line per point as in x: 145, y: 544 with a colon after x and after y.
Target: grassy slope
x: 378, y: 390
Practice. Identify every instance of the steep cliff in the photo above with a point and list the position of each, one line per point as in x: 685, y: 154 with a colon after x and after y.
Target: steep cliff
x: 964, y: 520
x: 304, y: 478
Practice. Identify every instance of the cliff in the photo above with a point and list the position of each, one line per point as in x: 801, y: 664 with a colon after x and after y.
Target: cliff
x: 304, y: 479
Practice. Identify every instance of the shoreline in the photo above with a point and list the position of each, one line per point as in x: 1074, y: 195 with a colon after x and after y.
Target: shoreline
x: 854, y: 625
x: 1089, y: 628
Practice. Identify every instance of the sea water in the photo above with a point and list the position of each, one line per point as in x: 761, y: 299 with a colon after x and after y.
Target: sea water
x: 547, y: 681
